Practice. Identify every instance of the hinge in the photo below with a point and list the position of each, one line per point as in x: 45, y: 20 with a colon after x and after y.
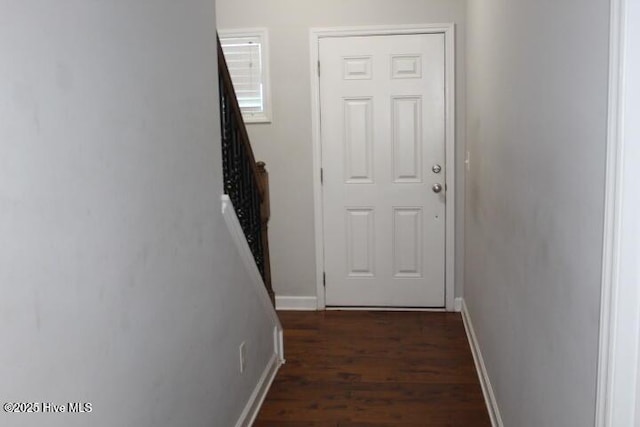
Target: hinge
x: 318, y: 68
x: 324, y: 279
x: 321, y: 176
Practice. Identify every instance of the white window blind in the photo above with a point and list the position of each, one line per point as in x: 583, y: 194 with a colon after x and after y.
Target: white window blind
x: 245, y: 54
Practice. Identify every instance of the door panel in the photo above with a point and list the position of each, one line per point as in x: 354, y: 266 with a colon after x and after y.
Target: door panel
x: 382, y: 130
x: 406, y: 138
x: 358, y: 139
x: 407, y: 242
x: 360, y: 242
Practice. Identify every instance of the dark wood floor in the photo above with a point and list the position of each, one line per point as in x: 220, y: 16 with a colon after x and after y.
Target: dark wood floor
x: 358, y: 368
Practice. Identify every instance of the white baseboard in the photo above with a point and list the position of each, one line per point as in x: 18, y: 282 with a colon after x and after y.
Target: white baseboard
x: 485, y: 383
x: 256, y: 399
x: 296, y: 303
x: 352, y: 308
x: 457, y: 305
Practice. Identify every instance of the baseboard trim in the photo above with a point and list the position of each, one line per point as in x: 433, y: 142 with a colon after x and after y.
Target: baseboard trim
x: 457, y: 305
x: 296, y: 303
x: 251, y: 409
x: 485, y: 383
x: 366, y: 308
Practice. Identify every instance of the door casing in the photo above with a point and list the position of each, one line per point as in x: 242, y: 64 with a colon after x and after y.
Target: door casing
x: 448, y: 30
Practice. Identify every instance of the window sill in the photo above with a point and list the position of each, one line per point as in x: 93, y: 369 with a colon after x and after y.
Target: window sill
x: 256, y: 119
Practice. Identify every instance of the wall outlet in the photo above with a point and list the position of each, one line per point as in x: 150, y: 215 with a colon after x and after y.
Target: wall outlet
x: 243, y: 356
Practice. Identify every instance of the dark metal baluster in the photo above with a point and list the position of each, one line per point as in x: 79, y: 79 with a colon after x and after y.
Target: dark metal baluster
x: 240, y: 174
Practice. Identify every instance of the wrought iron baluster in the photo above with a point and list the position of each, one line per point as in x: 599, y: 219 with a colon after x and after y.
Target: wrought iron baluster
x: 243, y: 183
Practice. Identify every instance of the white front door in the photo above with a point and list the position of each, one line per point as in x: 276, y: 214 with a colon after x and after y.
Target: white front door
x: 382, y: 101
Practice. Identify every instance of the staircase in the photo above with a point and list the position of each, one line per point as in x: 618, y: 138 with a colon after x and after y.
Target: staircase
x: 246, y: 181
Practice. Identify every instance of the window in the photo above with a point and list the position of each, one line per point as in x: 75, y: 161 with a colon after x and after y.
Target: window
x: 246, y: 53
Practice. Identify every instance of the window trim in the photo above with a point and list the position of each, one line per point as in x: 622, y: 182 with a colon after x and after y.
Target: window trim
x: 263, y: 35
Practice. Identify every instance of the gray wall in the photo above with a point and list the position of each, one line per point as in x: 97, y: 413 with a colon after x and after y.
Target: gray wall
x: 286, y: 145
x: 536, y: 129
x: 119, y: 280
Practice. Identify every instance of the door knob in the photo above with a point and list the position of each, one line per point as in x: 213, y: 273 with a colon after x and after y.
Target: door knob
x: 437, y: 188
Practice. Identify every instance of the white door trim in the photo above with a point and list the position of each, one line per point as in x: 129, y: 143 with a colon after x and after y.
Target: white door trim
x: 618, y: 383
x: 448, y: 30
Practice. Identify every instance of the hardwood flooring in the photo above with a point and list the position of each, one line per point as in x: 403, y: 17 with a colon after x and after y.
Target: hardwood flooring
x: 359, y: 368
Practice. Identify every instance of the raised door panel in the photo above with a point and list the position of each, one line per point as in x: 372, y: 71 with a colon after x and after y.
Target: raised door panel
x: 407, y: 242
x: 406, y: 113
x: 358, y: 140
x: 360, y: 242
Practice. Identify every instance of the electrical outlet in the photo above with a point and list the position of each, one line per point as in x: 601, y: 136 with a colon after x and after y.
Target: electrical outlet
x: 243, y: 356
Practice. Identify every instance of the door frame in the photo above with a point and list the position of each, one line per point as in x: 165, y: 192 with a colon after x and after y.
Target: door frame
x: 618, y: 390
x: 448, y: 30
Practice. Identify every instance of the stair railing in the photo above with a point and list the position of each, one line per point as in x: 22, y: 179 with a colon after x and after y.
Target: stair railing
x: 245, y: 181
